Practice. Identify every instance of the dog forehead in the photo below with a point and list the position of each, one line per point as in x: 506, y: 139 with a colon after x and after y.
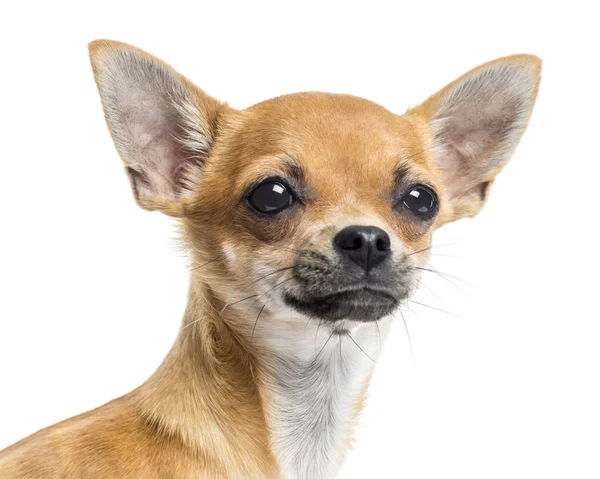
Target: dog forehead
x: 334, y: 122
x: 335, y: 139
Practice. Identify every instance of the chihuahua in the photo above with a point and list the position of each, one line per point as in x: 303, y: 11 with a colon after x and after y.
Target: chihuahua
x: 308, y: 218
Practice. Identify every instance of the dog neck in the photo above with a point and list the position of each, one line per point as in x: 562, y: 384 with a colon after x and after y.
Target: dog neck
x: 284, y: 401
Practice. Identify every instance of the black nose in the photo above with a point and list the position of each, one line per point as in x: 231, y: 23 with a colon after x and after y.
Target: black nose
x: 367, y: 246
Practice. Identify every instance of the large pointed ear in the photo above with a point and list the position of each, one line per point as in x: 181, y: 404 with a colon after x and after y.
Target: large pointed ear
x: 163, y: 126
x: 476, y: 123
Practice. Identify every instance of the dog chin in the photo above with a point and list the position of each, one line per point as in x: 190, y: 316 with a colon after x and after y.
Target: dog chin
x: 363, y: 305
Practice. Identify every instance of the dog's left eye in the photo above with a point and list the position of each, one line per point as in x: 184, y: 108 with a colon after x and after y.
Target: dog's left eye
x: 270, y: 197
x: 420, y: 201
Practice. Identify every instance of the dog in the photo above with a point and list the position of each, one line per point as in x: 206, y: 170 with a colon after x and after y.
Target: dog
x: 308, y: 218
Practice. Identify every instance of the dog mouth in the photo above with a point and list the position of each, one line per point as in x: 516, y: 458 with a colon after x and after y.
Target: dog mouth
x: 361, y: 304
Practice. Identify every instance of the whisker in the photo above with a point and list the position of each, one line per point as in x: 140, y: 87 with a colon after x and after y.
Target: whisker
x: 192, y: 323
x: 273, y: 272
x: 378, y: 335
x: 256, y: 322
x: 285, y: 248
x: 350, y: 336
x: 443, y: 275
x: 433, y: 307
x: 236, y: 302
x: 446, y: 280
x: 422, y: 283
x: 321, y: 350
x: 277, y: 285
x: 257, y: 296
x: 450, y: 276
x: 203, y: 264
x: 412, y: 356
x: 307, y: 322
x: 317, y: 332
x: 439, y: 245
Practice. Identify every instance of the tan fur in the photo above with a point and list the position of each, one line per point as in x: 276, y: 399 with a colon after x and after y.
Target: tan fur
x: 203, y: 413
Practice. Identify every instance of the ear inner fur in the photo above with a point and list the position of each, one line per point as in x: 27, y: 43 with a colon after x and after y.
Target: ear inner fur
x: 476, y: 123
x: 163, y: 126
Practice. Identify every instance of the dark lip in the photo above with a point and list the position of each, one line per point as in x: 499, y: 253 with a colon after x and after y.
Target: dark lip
x: 359, y: 304
x: 350, y: 292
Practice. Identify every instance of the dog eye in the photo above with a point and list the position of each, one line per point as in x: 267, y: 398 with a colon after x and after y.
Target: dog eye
x: 270, y: 197
x: 421, y: 201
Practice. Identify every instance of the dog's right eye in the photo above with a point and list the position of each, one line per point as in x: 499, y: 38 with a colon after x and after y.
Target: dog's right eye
x: 270, y: 197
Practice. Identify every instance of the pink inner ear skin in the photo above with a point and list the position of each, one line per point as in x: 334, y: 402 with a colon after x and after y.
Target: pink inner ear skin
x: 155, y: 120
x: 477, y: 123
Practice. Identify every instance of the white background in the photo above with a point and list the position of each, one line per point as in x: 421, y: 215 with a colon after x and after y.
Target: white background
x: 92, y: 288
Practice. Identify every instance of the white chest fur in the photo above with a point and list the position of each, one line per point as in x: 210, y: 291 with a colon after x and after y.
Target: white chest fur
x: 314, y: 393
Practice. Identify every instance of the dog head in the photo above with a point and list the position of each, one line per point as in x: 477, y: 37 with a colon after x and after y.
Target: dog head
x: 317, y: 203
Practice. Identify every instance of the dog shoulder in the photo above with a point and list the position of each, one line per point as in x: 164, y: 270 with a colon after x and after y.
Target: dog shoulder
x: 111, y: 441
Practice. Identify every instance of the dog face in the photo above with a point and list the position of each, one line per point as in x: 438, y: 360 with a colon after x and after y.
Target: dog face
x: 316, y: 203
x: 323, y: 206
